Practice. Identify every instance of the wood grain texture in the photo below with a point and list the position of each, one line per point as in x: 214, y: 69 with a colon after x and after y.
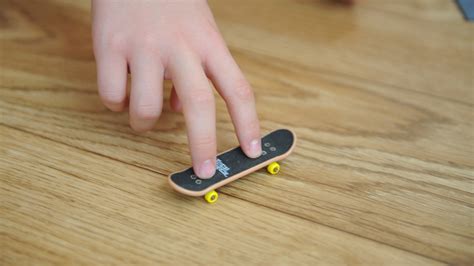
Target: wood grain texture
x: 380, y: 96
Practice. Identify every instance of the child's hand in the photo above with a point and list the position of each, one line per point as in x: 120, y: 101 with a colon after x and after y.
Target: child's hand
x: 177, y: 40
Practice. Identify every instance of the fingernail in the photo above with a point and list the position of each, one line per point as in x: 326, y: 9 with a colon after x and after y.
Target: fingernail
x: 207, y: 169
x: 255, y: 148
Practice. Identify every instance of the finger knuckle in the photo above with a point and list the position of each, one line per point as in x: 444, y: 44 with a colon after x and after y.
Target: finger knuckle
x: 150, y: 42
x: 147, y: 111
x: 243, y: 91
x: 213, y: 37
x: 116, y: 43
x: 201, y: 98
x: 204, y: 143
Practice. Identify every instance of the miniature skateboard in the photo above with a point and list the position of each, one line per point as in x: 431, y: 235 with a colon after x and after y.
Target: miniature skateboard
x: 234, y: 164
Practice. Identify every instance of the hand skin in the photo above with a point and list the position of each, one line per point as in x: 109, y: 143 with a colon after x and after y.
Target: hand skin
x: 177, y: 40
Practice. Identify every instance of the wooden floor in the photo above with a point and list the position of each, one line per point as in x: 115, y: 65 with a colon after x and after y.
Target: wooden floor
x: 380, y: 95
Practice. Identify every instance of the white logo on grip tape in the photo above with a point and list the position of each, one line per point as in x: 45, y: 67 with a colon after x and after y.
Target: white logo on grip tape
x: 222, y: 168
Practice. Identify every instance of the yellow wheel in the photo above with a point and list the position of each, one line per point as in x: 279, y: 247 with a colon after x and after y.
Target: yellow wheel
x: 211, y: 196
x: 273, y: 168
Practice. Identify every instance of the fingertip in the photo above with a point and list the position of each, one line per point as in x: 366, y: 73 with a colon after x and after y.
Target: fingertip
x: 254, y: 148
x: 113, y: 96
x: 248, y: 133
x: 144, y: 118
x: 114, y: 106
x: 206, y: 169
